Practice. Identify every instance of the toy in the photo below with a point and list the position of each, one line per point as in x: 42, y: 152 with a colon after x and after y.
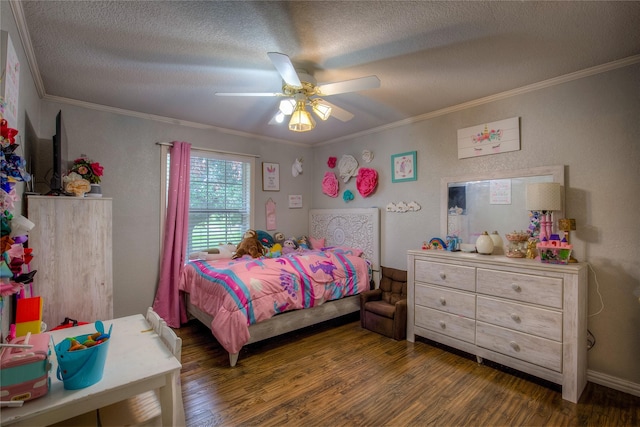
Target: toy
x: 275, y: 251
x: 278, y: 237
x: 303, y: 242
x: 289, y: 246
x: 250, y: 245
x: 265, y: 238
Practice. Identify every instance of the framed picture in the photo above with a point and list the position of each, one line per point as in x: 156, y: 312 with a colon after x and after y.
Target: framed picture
x: 403, y: 167
x: 270, y: 176
x: 295, y: 201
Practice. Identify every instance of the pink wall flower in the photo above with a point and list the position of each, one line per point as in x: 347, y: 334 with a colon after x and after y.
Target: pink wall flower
x: 330, y: 185
x: 332, y: 162
x: 366, y: 181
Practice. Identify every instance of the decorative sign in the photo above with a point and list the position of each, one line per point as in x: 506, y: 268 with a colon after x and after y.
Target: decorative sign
x: 270, y: 177
x: 500, y: 192
x: 271, y: 214
x: 11, y: 82
x: 295, y: 201
x: 489, y: 138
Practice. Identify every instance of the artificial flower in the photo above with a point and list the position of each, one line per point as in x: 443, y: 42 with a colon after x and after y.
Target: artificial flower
x: 87, y: 169
x: 347, y: 196
x: 330, y: 185
x: 366, y: 181
x: 332, y: 162
x: 8, y: 134
x: 78, y: 187
x: 348, y: 166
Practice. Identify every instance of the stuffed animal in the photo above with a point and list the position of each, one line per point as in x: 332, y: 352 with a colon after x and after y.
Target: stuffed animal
x: 278, y: 237
x: 289, y: 246
x: 265, y: 238
x: 303, y: 242
x: 249, y: 245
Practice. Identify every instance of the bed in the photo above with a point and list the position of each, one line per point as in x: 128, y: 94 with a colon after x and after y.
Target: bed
x: 233, y: 298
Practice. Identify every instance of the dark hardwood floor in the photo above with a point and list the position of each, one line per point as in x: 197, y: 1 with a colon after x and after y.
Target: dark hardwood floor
x: 338, y: 374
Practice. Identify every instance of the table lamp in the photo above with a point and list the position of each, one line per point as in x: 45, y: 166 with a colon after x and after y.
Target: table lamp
x: 544, y: 197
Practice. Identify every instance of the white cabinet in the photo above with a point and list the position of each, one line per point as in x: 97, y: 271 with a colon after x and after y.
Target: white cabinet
x: 519, y: 313
x: 72, y: 251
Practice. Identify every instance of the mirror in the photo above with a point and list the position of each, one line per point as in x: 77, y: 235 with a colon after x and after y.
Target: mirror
x: 491, y: 201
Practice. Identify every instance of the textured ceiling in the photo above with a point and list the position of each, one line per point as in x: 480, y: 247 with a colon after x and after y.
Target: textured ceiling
x: 169, y: 58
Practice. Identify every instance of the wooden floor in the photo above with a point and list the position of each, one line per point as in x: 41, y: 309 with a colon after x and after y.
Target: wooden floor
x: 339, y: 374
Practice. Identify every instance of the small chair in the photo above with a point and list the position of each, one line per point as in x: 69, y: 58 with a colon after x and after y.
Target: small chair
x: 384, y: 310
x: 144, y: 409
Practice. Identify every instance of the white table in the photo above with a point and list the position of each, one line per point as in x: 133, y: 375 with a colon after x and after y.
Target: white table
x: 137, y: 361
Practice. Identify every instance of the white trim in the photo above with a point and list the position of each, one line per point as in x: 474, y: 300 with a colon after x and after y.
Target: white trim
x: 210, y: 150
x: 615, y: 383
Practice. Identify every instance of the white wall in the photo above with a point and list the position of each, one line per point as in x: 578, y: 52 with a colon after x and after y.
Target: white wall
x: 590, y: 125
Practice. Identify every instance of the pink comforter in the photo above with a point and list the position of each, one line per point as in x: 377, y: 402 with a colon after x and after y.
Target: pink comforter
x: 241, y: 292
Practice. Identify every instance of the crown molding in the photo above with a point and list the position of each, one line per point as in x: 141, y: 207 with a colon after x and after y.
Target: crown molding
x: 587, y: 72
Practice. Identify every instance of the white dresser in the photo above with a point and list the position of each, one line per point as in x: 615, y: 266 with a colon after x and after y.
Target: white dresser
x: 517, y: 312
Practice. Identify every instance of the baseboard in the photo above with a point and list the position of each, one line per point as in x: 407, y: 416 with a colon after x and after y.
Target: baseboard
x: 613, y: 382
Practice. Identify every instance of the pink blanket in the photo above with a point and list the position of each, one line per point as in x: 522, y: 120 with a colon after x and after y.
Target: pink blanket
x: 241, y: 292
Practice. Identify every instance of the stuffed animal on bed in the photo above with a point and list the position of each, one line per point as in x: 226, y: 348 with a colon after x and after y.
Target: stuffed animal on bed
x: 303, y: 242
x: 289, y: 246
x: 249, y: 245
x: 278, y: 237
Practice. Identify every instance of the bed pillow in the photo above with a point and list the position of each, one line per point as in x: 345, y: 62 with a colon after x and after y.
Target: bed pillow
x: 316, y: 243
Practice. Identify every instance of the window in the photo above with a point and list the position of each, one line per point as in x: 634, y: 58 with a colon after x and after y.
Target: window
x: 220, y: 199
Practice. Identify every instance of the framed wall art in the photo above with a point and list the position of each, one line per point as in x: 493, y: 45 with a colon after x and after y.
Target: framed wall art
x: 403, y: 167
x: 270, y: 176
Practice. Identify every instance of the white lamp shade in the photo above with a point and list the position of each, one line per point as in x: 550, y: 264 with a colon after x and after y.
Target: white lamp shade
x: 321, y: 109
x: 287, y: 106
x: 301, y: 120
x: 544, y: 196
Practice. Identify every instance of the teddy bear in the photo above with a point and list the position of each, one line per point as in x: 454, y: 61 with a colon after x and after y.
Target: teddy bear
x: 249, y: 245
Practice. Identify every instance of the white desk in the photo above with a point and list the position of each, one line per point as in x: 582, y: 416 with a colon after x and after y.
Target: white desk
x: 137, y: 361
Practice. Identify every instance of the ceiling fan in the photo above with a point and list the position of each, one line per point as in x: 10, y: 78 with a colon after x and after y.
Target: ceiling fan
x: 301, y: 90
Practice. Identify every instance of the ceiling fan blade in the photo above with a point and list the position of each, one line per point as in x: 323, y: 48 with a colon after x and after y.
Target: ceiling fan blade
x: 285, y: 68
x: 362, y: 83
x: 249, y: 94
x: 339, y: 113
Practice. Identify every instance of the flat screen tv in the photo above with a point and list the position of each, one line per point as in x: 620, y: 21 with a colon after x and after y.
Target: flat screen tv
x: 60, y: 158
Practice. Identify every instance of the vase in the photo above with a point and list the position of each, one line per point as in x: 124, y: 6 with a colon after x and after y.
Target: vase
x: 484, y: 244
x: 96, y: 191
x: 498, y: 245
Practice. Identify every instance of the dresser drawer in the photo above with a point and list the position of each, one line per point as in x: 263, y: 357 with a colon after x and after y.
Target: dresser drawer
x: 524, y: 318
x: 541, y: 290
x: 532, y: 349
x: 453, y: 276
x: 452, y: 325
x: 444, y: 299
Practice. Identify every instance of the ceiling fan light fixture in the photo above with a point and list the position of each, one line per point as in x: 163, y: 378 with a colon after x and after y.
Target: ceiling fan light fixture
x: 321, y: 109
x: 279, y: 118
x: 287, y: 106
x: 301, y: 120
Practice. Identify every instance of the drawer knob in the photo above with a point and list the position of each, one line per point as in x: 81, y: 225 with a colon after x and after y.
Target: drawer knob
x: 515, y: 317
x: 442, y: 275
x: 514, y: 345
x: 443, y: 301
x: 516, y: 287
x: 442, y: 324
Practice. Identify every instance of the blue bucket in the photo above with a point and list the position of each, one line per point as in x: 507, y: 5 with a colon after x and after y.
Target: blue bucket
x: 82, y: 368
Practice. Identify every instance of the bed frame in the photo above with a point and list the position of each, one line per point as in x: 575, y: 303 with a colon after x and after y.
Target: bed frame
x: 358, y: 228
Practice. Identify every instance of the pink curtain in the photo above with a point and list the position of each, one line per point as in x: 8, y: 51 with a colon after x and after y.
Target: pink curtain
x: 168, y: 302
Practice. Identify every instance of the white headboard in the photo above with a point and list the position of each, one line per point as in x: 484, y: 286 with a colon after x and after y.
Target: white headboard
x: 357, y: 228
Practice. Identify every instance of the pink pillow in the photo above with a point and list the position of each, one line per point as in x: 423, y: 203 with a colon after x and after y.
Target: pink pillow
x: 316, y: 243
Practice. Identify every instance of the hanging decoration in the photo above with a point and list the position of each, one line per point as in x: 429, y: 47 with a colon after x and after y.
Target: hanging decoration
x: 330, y: 184
x: 348, y: 167
x: 347, y: 196
x: 366, y: 181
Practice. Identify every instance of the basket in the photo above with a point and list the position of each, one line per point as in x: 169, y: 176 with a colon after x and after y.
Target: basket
x: 82, y: 368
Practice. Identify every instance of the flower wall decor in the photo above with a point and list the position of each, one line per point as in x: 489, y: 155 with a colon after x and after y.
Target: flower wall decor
x: 366, y: 181
x: 330, y: 184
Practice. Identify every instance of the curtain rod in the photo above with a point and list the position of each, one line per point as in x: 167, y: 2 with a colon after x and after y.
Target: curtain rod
x: 211, y: 150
